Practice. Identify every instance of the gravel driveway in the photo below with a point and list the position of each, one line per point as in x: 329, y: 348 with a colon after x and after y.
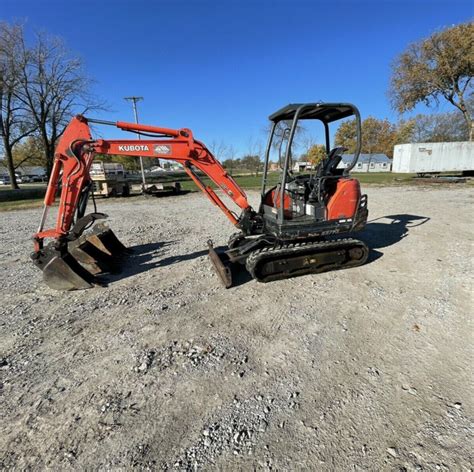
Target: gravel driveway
x: 364, y: 369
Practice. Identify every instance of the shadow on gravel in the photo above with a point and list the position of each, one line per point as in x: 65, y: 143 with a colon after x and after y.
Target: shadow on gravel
x: 388, y: 230
x: 378, y: 234
x: 144, y: 258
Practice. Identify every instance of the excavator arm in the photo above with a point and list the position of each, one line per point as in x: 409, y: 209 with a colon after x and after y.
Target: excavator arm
x: 76, y: 150
x: 72, y: 260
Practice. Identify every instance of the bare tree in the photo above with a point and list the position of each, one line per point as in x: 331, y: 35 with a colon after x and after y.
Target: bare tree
x: 53, y: 86
x: 282, y: 132
x: 442, y: 127
x: 15, y: 123
x: 253, y: 159
x: 219, y: 149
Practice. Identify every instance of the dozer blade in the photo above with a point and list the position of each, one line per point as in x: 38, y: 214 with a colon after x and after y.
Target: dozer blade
x: 219, y: 263
x: 61, y: 271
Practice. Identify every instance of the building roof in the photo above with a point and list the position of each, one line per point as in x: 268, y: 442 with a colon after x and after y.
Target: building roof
x: 366, y: 158
x: 28, y: 170
x: 37, y: 170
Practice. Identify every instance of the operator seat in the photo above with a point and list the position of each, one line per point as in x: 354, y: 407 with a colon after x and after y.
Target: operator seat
x: 329, y: 165
x: 327, y: 168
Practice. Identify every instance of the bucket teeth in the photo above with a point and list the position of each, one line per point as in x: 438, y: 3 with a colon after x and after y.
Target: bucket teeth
x: 94, y: 259
x: 105, y: 239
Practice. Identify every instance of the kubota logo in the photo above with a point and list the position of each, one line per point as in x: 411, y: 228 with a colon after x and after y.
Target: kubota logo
x: 162, y: 149
x: 133, y: 147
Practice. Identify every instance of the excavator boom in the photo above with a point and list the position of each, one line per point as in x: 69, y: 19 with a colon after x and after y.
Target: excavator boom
x: 71, y: 261
x: 76, y: 150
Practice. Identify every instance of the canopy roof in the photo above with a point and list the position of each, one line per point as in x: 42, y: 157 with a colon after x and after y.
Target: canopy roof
x: 326, y: 112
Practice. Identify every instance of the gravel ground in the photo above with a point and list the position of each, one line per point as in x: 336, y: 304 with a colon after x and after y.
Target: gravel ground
x: 364, y: 369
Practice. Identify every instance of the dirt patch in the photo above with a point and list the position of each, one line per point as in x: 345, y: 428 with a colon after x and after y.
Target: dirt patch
x: 166, y: 370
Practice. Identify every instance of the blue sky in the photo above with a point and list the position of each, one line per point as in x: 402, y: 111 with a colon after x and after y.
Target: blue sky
x: 220, y: 68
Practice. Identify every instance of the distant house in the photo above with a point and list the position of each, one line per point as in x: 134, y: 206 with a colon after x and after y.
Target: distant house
x: 367, y: 163
x: 29, y: 171
x: 301, y: 166
x: 170, y: 166
x: 32, y: 171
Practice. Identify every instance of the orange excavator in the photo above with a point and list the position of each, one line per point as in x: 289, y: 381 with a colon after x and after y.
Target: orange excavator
x: 286, y: 236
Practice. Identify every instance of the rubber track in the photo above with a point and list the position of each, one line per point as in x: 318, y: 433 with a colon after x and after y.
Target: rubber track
x: 296, y: 249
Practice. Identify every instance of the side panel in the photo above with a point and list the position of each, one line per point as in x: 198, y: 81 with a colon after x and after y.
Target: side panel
x: 345, y: 200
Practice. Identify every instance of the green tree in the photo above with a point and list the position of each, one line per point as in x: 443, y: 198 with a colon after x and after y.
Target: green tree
x: 29, y: 152
x: 440, y: 66
x: 378, y: 136
x: 252, y: 163
x: 346, y: 136
x: 316, y: 153
x: 405, y: 131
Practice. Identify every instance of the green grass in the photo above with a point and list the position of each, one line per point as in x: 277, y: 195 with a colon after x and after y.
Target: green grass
x: 31, y: 195
x: 244, y: 181
x: 254, y: 182
x: 21, y: 204
x: 383, y: 178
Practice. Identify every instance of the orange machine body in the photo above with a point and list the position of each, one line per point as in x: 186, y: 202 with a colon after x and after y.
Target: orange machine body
x: 344, y: 202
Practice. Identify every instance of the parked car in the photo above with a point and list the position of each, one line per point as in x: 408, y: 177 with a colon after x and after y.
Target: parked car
x: 4, y: 180
x: 38, y: 178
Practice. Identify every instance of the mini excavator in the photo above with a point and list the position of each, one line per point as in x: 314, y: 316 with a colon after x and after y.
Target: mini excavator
x: 287, y: 236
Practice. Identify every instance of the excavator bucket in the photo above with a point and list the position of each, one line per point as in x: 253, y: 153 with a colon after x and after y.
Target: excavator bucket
x: 221, y: 264
x: 100, y: 251
x: 74, y: 264
x: 61, y: 271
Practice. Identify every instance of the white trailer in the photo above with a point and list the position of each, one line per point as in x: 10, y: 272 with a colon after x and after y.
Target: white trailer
x: 108, y: 179
x: 433, y: 158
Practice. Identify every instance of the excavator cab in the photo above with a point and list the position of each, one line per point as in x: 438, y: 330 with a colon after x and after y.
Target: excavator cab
x: 324, y: 200
x: 288, y: 236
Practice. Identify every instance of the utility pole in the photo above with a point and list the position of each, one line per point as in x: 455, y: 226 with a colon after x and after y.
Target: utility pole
x: 134, y: 101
